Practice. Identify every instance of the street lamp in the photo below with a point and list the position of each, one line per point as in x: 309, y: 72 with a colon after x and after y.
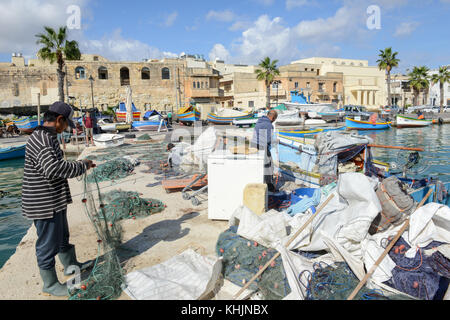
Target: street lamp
x: 91, y: 79
x: 277, y: 82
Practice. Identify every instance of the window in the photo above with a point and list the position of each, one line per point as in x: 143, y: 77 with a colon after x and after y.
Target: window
x: 296, y: 85
x: 335, y: 87
x: 194, y: 84
x: 145, y: 73
x: 320, y: 87
x: 308, y: 84
x: 165, y: 74
x: 306, y: 69
x: 202, y: 84
x: 15, y: 90
x: 124, y: 76
x: 80, y: 73
x: 198, y: 84
x: 275, y: 85
x: 102, y: 73
x: 95, y: 58
x: 206, y: 85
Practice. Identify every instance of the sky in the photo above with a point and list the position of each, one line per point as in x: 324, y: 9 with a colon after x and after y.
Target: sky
x: 237, y: 31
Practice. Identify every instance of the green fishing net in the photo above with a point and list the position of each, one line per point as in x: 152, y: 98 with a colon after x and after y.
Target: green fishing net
x: 144, y: 137
x: 122, y: 205
x: 242, y: 259
x: 105, y: 212
x: 111, y: 170
x: 337, y: 283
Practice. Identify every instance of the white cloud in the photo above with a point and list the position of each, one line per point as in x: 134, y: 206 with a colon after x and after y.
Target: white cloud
x: 170, y: 20
x: 117, y: 48
x: 21, y: 20
x: 406, y: 28
x: 266, y: 37
x: 219, y: 52
x: 291, y: 4
x: 223, y: 16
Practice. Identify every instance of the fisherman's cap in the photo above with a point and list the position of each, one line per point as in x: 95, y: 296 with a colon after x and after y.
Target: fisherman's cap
x: 64, y: 110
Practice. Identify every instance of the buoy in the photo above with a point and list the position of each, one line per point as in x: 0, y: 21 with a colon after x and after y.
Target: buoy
x: 83, y: 287
x: 415, y: 285
x: 221, y: 250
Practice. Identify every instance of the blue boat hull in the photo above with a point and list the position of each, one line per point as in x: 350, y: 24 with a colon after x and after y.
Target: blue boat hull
x: 146, y: 125
x: 363, y: 125
x: 12, y: 153
x: 419, y: 194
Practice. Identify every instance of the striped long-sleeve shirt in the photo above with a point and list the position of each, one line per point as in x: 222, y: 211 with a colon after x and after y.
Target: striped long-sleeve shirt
x: 45, y: 189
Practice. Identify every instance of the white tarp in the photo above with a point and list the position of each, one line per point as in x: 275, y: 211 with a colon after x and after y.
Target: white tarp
x: 198, y: 153
x: 346, y: 218
x: 188, y: 276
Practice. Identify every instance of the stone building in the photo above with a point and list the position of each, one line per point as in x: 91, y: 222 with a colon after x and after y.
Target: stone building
x: 363, y: 84
x: 241, y: 88
x: 166, y: 84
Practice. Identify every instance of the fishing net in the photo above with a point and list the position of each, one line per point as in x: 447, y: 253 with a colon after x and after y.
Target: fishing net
x: 423, y: 276
x: 122, y: 205
x: 144, y: 137
x: 337, y: 283
x: 106, y: 280
x: 111, y: 170
x: 242, y: 259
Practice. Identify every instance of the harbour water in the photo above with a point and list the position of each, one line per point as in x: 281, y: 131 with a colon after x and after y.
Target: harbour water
x: 435, y: 162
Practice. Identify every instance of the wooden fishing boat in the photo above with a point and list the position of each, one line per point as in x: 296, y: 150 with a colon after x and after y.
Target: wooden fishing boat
x: 420, y: 193
x: 352, y: 124
x: 27, y: 125
x: 298, y: 133
x: 108, y: 140
x: 121, y: 113
x: 188, y: 115
x: 12, y: 152
x: 228, y: 116
x: 406, y: 122
x: 148, y: 125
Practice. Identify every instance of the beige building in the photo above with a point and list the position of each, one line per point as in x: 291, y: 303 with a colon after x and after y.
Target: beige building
x: 363, y: 84
x: 156, y: 84
x: 242, y: 89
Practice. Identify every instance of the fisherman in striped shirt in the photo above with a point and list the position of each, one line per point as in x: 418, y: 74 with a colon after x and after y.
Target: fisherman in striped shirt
x: 46, y: 194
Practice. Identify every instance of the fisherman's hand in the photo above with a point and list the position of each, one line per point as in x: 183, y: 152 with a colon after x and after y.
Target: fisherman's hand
x: 90, y: 164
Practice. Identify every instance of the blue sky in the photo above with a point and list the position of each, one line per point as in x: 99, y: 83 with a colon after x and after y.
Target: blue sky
x: 242, y: 31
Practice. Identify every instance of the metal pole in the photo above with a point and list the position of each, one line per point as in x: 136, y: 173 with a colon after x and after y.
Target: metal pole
x: 67, y: 85
x: 92, y: 93
x: 39, y: 108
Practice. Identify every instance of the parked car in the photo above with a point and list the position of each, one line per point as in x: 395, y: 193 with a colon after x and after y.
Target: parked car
x: 435, y: 109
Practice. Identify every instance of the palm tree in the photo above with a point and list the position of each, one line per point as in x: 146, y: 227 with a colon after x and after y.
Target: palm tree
x: 267, y: 72
x: 419, y: 81
x: 442, y: 77
x: 386, y: 62
x: 57, y: 48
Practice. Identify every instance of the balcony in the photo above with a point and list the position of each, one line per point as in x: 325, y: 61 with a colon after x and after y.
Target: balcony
x: 205, y: 93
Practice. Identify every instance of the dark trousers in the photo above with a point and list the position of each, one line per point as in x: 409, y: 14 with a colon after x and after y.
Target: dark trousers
x: 53, y: 237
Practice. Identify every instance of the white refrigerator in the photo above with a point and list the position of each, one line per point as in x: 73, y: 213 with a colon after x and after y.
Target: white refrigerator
x: 228, y: 175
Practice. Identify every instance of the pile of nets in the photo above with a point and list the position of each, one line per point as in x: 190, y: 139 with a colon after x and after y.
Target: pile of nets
x: 111, y: 170
x: 144, y: 137
x: 423, y: 276
x: 122, y: 205
x: 242, y: 259
x: 337, y: 283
